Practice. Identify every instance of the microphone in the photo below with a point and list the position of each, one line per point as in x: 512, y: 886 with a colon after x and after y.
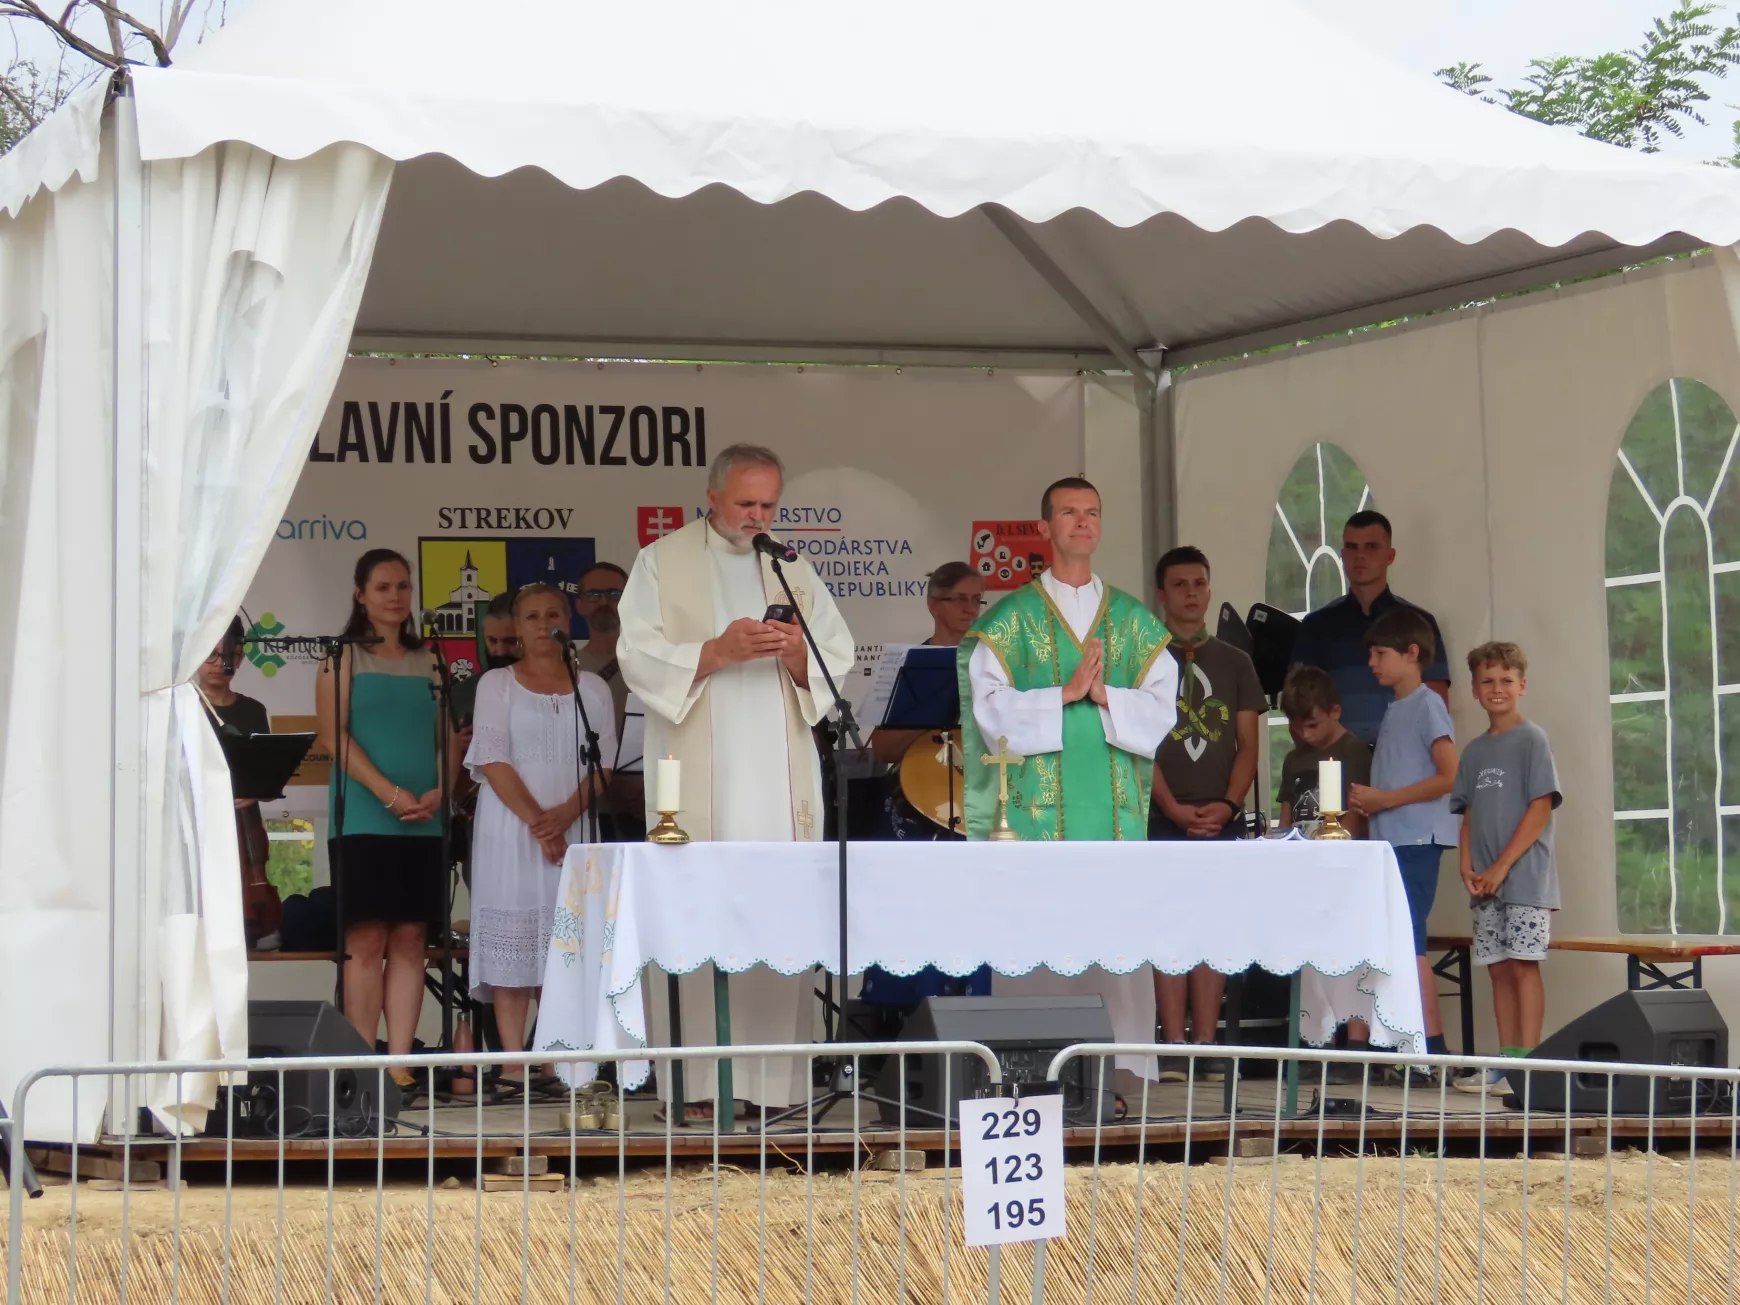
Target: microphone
x: 426, y: 621
x: 779, y: 552
x: 561, y: 636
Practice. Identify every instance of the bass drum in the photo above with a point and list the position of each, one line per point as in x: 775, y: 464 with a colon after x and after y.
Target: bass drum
x: 932, y: 778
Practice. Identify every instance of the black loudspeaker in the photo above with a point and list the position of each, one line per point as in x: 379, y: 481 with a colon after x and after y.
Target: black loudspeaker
x: 1666, y: 1027
x: 1024, y: 1032
x: 302, y: 1101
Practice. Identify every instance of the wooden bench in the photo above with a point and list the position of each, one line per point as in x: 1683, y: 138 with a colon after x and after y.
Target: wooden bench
x: 1646, y: 955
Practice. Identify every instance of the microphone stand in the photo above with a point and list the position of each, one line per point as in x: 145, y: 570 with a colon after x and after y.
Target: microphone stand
x: 590, y: 753
x: 443, y: 691
x: 841, y: 1084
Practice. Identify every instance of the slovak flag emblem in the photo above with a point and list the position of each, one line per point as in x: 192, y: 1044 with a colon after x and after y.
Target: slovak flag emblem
x: 654, y: 523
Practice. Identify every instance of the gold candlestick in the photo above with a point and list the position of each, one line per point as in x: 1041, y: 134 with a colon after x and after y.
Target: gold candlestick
x: 1330, y: 827
x: 1000, y: 831
x: 666, y: 831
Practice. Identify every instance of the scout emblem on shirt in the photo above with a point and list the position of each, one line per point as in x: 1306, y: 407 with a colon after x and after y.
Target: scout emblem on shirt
x: 1199, y: 726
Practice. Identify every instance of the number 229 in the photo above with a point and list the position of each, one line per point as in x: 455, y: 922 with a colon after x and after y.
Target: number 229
x: 1016, y: 1214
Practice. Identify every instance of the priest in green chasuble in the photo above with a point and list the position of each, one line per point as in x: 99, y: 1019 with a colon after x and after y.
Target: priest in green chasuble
x: 1069, y: 671
x: 1074, y: 674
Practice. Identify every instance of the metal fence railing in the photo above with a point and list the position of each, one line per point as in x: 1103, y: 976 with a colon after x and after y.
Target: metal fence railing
x: 1259, y: 1175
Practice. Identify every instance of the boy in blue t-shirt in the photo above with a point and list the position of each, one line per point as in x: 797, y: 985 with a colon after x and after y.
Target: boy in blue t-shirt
x: 1413, y: 768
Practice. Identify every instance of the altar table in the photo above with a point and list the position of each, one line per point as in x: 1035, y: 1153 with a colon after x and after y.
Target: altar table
x: 1335, y: 911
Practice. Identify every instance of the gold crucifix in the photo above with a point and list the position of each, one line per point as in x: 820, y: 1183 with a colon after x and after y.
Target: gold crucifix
x: 1000, y: 831
x: 805, y: 821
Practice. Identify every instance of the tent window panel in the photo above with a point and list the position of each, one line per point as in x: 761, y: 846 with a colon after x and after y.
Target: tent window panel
x: 1649, y: 447
x: 1640, y: 756
x: 1324, y: 488
x: 1634, y: 638
x: 1645, y: 883
x: 1727, y: 587
x: 1673, y: 614
x: 1705, y: 429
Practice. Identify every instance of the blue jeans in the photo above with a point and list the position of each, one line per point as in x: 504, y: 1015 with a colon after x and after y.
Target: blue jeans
x: 1418, y: 863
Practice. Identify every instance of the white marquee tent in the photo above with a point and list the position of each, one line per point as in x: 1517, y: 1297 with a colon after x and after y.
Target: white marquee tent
x: 183, y: 269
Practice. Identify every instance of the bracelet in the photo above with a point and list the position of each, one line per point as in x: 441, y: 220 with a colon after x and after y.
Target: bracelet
x: 1231, y: 806
x: 393, y: 802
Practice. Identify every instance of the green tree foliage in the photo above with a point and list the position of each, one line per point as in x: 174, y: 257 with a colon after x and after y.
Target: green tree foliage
x: 1636, y: 98
x: 27, y: 96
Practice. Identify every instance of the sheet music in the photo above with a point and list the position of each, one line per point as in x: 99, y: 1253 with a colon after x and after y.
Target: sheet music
x: 882, y: 683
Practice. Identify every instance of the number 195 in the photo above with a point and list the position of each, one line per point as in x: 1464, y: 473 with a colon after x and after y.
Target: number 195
x: 1018, y: 1214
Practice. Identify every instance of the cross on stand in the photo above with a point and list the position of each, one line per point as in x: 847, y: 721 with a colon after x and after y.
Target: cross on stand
x: 1000, y: 831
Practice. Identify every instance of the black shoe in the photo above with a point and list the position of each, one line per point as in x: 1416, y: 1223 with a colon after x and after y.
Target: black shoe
x: 1174, y: 1069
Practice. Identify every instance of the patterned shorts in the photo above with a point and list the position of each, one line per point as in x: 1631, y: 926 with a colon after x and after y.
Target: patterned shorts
x: 1505, y: 931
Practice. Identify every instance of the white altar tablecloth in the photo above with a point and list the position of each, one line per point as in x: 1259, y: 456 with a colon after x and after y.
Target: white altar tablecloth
x: 1336, y: 911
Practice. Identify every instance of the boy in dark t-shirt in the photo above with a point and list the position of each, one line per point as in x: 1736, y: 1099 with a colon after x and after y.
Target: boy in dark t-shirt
x: 1202, y: 775
x: 1313, y: 709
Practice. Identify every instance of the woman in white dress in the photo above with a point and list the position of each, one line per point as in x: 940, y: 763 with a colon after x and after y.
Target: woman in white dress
x: 525, y: 738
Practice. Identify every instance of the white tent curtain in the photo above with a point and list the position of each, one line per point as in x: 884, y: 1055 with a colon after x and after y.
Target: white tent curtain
x: 252, y: 270
x: 56, y: 316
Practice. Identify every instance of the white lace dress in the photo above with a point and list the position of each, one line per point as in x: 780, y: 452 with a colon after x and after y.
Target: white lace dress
x: 513, y: 885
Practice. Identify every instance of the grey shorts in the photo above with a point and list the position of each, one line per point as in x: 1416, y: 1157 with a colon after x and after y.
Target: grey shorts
x: 1505, y: 931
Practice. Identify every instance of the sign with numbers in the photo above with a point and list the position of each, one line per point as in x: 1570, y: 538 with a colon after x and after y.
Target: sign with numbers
x: 1012, y: 1169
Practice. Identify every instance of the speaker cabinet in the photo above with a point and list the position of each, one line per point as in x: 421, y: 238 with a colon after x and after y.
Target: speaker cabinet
x: 1669, y: 1026
x: 302, y: 1101
x: 1024, y: 1033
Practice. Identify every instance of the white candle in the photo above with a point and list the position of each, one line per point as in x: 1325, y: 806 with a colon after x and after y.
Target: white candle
x: 670, y: 784
x: 1328, y: 785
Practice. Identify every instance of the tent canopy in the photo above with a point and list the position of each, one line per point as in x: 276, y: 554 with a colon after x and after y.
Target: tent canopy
x: 774, y: 176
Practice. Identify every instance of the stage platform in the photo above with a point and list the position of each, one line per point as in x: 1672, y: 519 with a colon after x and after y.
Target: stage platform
x: 1175, y: 1117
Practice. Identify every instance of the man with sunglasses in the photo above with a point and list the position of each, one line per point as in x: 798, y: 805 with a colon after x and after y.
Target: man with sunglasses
x: 599, y: 595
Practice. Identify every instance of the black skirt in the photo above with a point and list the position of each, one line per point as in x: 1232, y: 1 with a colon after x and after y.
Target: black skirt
x: 387, y: 878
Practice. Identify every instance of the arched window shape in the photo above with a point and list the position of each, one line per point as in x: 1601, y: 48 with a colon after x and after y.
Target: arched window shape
x: 1324, y: 488
x: 1673, y: 644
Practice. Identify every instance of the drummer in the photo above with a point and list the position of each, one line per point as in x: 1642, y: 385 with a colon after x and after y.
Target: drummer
x: 955, y: 596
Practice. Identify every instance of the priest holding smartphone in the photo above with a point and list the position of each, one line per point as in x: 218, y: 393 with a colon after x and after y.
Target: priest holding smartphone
x: 711, y: 646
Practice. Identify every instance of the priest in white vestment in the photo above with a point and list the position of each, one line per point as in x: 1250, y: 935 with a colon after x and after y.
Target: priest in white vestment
x: 1135, y: 720
x: 733, y: 698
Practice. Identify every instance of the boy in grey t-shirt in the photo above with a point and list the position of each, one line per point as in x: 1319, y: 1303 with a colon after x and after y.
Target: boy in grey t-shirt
x: 1506, y: 790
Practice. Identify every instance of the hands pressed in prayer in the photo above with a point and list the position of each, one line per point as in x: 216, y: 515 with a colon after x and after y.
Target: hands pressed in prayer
x: 1089, y: 678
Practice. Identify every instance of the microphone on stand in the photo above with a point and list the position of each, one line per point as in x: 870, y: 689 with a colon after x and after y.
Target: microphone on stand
x: 778, y: 551
x: 426, y: 620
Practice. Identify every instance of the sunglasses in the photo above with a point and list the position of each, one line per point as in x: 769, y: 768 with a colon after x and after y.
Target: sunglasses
x: 601, y: 593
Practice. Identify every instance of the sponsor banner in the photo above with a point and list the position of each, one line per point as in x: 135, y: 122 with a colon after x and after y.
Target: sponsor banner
x: 487, y: 477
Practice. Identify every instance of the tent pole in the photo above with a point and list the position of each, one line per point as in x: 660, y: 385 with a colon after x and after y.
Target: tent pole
x: 133, y: 993
x: 1159, y: 468
x: 1012, y: 229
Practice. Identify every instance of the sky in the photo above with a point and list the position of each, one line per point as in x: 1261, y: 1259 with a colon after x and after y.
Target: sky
x: 1504, y: 35
x: 1424, y: 35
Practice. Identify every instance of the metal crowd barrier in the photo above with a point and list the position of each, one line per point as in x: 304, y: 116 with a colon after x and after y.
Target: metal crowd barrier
x: 1282, y: 1184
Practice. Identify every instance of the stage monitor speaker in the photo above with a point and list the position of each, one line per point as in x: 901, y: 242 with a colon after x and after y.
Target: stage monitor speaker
x: 1272, y: 635
x: 1024, y: 1033
x: 300, y: 1101
x: 1671, y: 1026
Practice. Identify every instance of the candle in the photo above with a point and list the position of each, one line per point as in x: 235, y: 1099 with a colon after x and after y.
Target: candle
x: 670, y: 784
x: 1328, y: 785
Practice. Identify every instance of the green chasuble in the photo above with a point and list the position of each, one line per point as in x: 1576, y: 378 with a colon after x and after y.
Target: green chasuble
x: 1090, y: 790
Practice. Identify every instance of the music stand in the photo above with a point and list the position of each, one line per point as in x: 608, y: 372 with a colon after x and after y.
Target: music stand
x: 262, y: 764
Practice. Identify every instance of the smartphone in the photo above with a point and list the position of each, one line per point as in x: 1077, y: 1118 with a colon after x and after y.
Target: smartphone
x: 784, y: 613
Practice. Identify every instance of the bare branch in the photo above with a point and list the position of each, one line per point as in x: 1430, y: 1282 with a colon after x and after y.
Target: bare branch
x: 33, y: 12
x: 116, y: 16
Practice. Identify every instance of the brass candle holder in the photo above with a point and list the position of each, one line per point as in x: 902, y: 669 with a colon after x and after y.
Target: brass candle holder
x: 667, y: 831
x: 1330, y: 826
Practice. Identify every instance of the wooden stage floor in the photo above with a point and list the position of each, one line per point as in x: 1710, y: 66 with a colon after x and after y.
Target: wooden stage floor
x: 461, y: 1129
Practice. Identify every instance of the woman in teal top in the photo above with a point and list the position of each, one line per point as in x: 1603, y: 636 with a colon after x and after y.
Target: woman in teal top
x: 378, y: 721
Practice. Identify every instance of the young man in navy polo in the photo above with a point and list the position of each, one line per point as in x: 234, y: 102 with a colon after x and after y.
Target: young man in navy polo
x: 1333, y: 637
